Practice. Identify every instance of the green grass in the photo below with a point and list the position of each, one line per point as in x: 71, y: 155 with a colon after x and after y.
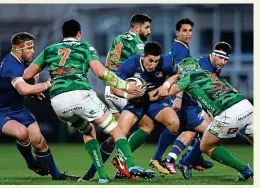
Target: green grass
x: 74, y: 158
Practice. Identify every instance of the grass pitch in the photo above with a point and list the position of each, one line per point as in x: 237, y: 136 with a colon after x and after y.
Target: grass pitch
x: 75, y: 159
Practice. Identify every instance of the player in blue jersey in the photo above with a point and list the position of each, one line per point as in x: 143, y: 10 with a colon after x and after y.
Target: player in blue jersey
x: 179, y: 50
x: 154, y: 68
x: 15, y: 120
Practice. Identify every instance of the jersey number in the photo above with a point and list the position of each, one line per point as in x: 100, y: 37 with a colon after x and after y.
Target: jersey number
x: 66, y: 53
x: 117, y: 52
x: 214, y: 78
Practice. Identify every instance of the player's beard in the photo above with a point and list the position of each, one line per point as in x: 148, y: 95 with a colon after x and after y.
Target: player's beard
x: 142, y: 37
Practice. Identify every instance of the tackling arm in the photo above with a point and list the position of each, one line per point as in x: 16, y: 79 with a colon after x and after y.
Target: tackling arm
x: 111, y: 79
x: 26, y: 89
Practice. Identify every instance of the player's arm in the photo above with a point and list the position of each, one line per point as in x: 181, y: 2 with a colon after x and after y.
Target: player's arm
x: 172, y: 71
x: 26, y: 89
x: 107, y: 64
x: 35, y: 67
x: 111, y: 79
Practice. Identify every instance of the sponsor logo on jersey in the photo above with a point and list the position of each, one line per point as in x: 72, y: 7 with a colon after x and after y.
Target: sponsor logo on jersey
x: 71, y: 109
x: 206, y: 104
x: 137, y: 75
x: 244, y: 116
x: 140, y: 46
x: 158, y: 74
x: 232, y: 130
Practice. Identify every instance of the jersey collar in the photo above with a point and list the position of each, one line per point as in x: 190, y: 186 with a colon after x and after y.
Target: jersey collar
x: 132, y: 33
x: 17, y: 58
x: 70, y: 38
x: 141, y: 64
x: 185, y: 45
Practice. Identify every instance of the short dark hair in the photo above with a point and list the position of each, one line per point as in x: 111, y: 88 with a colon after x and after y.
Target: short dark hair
x: 183, y: 21
x: 21, y: 37
x: 152, y: 48
x: 139, y: 19
x: 70, y: 28
x: 224, y: 46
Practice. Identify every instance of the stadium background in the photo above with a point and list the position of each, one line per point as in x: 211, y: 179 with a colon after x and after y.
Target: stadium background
x: 101, y: 23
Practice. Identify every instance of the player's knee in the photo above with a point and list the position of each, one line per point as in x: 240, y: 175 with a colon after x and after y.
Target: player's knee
x: 173, y: 125
x: 204, y: 148
x: 39, y: 143
x: 23, y: 135
x: 147, y: 127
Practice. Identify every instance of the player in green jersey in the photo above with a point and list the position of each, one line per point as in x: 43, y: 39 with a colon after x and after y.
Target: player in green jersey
x: 74, y: 101
x: 130, y: 43
x: 230, y: 110
x: 123, y: 47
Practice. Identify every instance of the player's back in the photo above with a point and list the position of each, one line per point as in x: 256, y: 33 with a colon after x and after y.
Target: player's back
x: 123, y: 47
x: 68, y: 64
x: 10, y: 68
x: 211, y: 91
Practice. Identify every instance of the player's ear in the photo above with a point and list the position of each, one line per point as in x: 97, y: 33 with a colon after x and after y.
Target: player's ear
x: 177, y: 33
x: 78, y: 35
x: 142, y: 56
x: 136, y: 28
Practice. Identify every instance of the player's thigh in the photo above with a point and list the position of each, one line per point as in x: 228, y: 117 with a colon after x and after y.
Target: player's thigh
x: 146, y: 124
x: 168, y: 117
x: 16, y: 130
x: 208, y: 142
x: 193, y: 118
x: 126, y: 121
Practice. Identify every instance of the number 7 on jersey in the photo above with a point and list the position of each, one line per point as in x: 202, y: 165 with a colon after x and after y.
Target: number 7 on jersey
x: 66, y: 53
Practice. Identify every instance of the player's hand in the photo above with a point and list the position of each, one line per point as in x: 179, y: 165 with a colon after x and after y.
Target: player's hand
x: 40, y: 96
x: 177, y: 104
x: 135, y: 90
x: 163, y: 91
x: 37, y: 78
x: 154, y: 95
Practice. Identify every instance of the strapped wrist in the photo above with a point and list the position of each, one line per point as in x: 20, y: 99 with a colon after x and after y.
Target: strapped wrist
x: 167, y: 84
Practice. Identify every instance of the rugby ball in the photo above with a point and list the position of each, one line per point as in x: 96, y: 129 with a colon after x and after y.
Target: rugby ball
x: 138, y: 82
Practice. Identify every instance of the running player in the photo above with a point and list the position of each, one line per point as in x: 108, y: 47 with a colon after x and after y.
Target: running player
x: 231, y: 111
x: 72, y: 98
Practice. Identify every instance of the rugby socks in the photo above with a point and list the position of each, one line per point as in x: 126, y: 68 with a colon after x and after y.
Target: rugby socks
x: 192, y: 144
x: 175, y: 151
x: 26, y: 152
x: 225, y: 157
x: 124, y: 150
x: 46, y: 158
x: 137, y: 139
x: 106, y: 151
x: 193, y: 155
x: 93, y: 149
x: 166, y: 138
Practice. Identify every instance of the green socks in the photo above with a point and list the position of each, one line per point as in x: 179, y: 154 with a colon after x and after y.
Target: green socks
x: 225, y: 157
x: 93, y: 149
x: 123, y: 149
x: 137, y: 139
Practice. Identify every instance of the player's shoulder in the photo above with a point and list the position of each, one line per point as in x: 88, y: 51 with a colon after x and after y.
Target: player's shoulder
x: 10, y: 66
x: 177, y: 44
